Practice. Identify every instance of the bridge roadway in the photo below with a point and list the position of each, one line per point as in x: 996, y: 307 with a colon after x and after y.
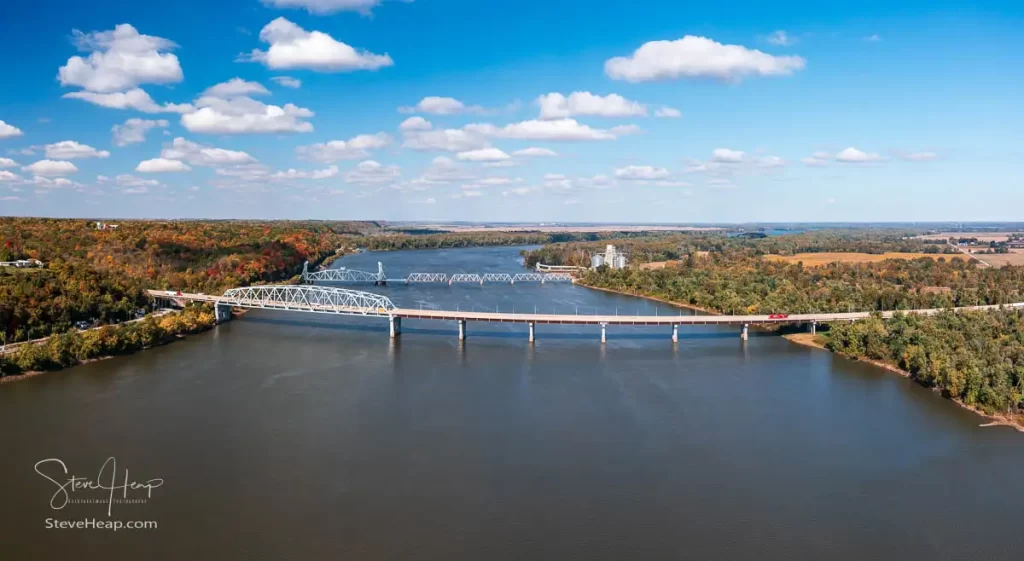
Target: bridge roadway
x: 268, y: 297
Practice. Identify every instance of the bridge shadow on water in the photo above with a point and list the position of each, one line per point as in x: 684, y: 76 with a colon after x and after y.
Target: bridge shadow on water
x: 589, y: 332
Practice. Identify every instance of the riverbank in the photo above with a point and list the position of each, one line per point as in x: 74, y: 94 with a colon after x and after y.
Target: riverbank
x: 654, y: 298
x: 75, y: 348
x: 818, y: 342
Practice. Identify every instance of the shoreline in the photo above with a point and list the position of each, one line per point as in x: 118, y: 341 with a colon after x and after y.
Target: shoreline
x: 812, y: 341
x: 654, y: 298
x: 177, y: 337
x: 807, y: 340
x: 34, y: 373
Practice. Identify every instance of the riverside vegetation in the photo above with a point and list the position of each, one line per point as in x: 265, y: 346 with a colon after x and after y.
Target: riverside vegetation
x: 100, y: 276
x: 974, y: 358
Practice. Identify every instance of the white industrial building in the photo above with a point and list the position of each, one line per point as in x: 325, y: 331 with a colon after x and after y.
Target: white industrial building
x: 611, y: 257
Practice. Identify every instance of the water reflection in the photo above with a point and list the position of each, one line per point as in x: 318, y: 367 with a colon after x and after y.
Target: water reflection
x: 291, y: 436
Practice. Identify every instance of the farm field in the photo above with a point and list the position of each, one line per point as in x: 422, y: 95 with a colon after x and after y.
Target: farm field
x: 1015, y: 257
x: 818, y: 259
x: 980, y: 236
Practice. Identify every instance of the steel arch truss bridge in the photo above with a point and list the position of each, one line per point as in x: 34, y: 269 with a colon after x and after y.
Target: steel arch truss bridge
x: 309, y: 298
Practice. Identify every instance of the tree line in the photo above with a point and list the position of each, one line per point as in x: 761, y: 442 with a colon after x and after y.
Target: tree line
x: 74, y: 347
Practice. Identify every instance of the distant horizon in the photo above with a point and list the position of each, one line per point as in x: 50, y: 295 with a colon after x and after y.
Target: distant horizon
x: 954, y: 224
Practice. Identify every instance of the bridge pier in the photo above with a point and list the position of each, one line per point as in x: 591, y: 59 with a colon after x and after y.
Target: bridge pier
x: 604, y: 338
x: 675, y: 333
x: 222, y: 312
x: 532, y: 336
x: 743, y: 334
x: 814, y: 327
x: 462, y: 330
x: 396, y: 326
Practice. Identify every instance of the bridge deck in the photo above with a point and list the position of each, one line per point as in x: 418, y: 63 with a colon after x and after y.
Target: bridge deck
x: 569, y: 319
x: 572, y: 319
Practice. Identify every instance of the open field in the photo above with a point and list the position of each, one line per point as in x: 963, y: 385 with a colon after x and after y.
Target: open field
x: 980, y: 236
x: 1015, y: 257
x: 818, y: 259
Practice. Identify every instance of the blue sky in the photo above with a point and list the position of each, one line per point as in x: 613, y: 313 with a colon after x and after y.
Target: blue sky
x: 517, y: 111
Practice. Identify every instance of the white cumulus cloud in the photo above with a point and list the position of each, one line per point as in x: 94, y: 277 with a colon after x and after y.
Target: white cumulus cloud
x: 641, y: 173
x: 483, y: 155
x: 136, y: 99
x: 287, y: 81
x: 244, y: 115
x: 120, y: 59
x: 558, y: 106
x: 535, y: 152
x: 355, y: 148
x: 199, y: 155
x: 852, y: 155
x: 698, y: 57
x: 236, y: 87
x: 435, y: 105
x: 69, y: 150
x: 447, y: 140
x: 293, y: 47
x: 134, y: 130
x: 161, y: 165
x: 324, y: 7
x: 727, y: 156
x: 326, y: 173
x: 7, y: 163
x: 561, y: 129
x: 8, y: 131
x: 370, y: 171
x: 48, y: 168
x: 415, y: 124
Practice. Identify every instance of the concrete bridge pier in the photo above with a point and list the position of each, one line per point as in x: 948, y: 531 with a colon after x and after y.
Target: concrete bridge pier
x: 222, y: 312
x: 604, y: 337
x: 396, y: 326
x: 814, y: 328
x: 744, y: 333
x: 462, y: 329
x: 532, y: 336
x: 675, y: 333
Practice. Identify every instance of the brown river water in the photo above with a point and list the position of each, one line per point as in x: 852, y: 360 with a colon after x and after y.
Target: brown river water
x: 289, y: 436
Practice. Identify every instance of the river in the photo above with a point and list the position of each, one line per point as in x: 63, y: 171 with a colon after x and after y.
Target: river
x: 283, y: 436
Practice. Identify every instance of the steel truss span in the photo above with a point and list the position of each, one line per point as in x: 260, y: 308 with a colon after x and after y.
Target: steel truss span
x: 309, y: 298
x: 542, y: 277
x: 496, y: 277
x: 426, y: 277
x: 344, y: 275
x: 465, y: 277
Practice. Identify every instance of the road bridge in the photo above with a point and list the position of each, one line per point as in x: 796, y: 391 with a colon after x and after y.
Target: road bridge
x: 320, y: 299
